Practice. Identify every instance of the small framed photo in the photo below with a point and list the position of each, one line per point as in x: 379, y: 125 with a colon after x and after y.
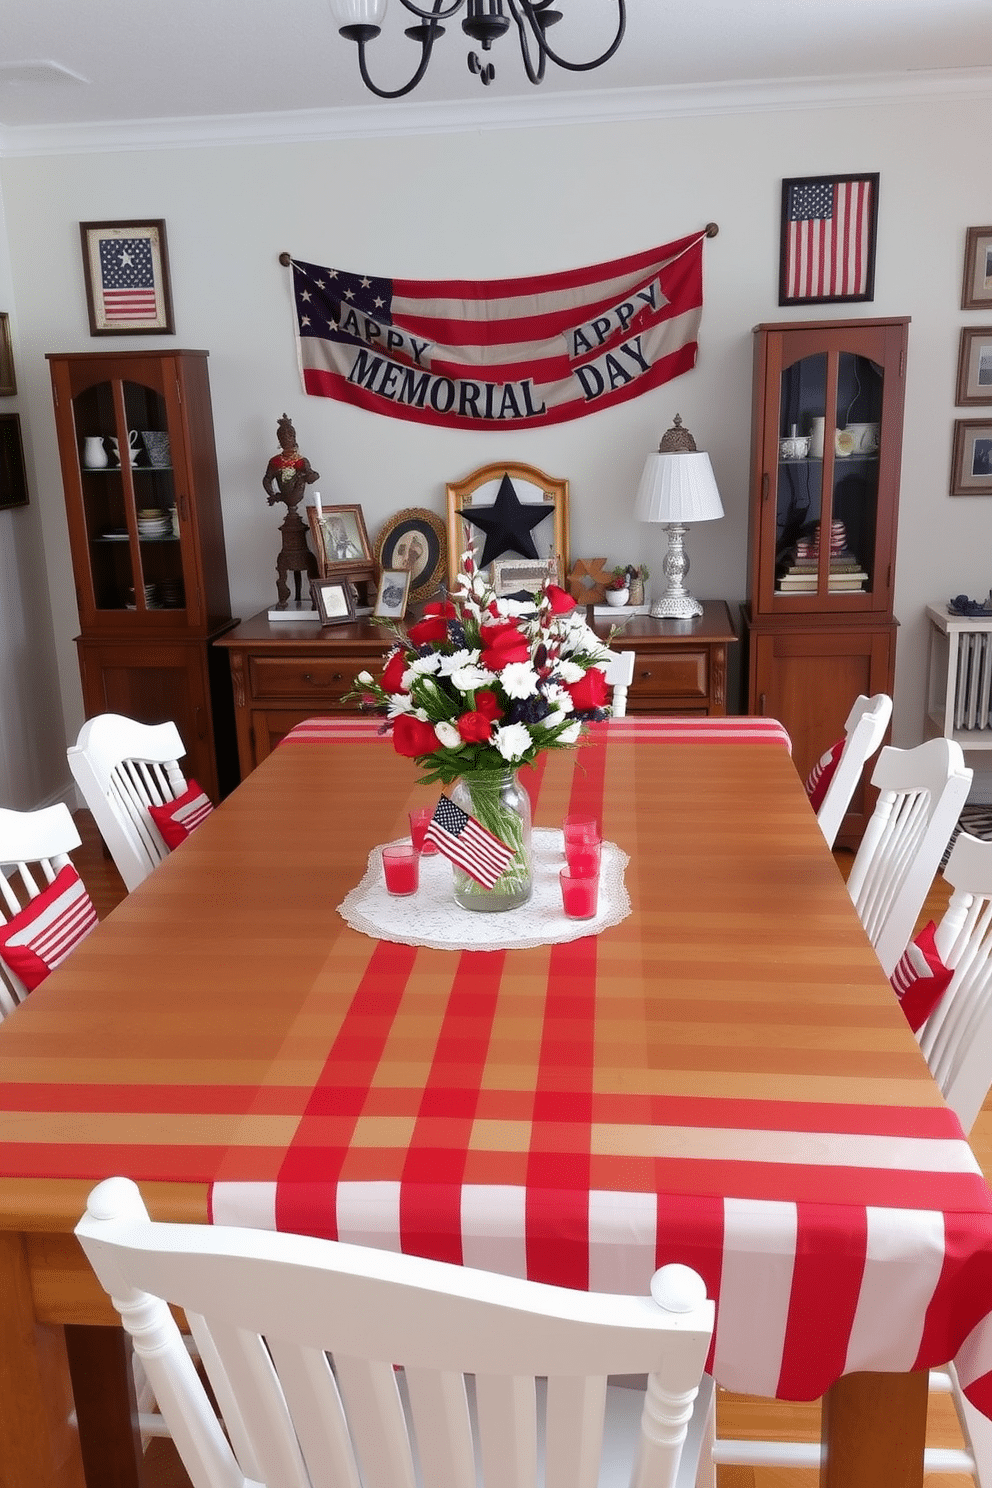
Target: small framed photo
x: 975, y: 366
x: 340, y: 541
x: 126, y: 266
x: 414, y: 539
x: 828, y: 239
x: 976, y: 287
x: 392, y: 594
x: 334, y: 600
x: 13, y: 483
x: 514, y: 578
x: 971, y: 460
x: 8, y: 382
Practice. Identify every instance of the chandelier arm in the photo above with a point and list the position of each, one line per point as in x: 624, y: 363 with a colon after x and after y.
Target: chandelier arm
x: 427, y: 45
x: 534, y: 74
x: 436, y: 14
x: 530, y: 11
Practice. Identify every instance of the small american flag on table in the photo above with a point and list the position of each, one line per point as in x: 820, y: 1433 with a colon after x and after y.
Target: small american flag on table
x: 468, y: 843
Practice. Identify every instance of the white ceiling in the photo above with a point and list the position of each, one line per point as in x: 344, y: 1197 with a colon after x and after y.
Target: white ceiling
x: 143, y: 60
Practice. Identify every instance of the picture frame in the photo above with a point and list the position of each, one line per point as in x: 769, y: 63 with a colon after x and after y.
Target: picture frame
x: 971, y: 458
x: 975, y: 366
x: 341, y: 542
x: 392, y: 594
x: 976, y: 285
x: 334, y: 600
x: 818, y: 213
x: 530, y: 485
x: 512, y: 576
x: 126, y: 268
x: 8, y: 382
x: 13, y: 481
x: 414, y: 539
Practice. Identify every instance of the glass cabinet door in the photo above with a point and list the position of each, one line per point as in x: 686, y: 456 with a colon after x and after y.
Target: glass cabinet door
x: 827, y: 490
x: 128, y: 497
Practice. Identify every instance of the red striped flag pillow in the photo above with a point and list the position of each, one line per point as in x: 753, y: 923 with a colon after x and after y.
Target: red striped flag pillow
x: 920, y: 978
x: 176, y: 819
x: 40, y: 936
x: 822, y: 773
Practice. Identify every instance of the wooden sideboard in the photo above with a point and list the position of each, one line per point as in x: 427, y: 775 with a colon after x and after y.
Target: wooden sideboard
x: 286, y: 670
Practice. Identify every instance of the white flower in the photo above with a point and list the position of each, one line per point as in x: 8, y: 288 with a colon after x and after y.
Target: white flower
x: 424, y: 665
x: 519, y: 679
x: 457, y: 659
x: 570, y: 671
x: 366, y: 679
x: 448, y: 735
x: 570, y: 734
x: 469, y: 678
x: 559, y: 699
x: 399, y: 702
x: 511, y: 608
x: 513, y: 741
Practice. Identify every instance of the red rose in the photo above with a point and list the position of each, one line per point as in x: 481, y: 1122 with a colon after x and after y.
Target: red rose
x: 561, y: 601
x: 502, y: 644
x: 392, y: 672
x: 589, y: 692
x: 434, y: 625
x: 487, y: 703
x: 474, y: 728
x: 411, y: 737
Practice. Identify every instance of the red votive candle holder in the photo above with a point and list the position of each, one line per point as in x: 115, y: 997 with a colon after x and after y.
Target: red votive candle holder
x: 580, y: 829
x: 420, y: 820
x: 579, y: 896
x: 401, y: 868
x: 582, y: 858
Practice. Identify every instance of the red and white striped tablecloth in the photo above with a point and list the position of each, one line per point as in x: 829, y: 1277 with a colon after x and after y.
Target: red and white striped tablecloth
x: 673, y: 730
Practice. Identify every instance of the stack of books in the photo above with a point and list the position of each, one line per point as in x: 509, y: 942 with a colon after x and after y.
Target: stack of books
x: 846, y: 574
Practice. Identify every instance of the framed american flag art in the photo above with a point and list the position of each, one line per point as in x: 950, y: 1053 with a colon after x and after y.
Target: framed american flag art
x: 828, y: 239
x: 126, y: 266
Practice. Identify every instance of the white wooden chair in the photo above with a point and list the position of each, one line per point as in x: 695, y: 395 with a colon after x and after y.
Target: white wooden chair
x: 619, y: 671
x: 323, y: 1356
x: 863, y: 731
x: 957, y: 1042
x: 921, y: 793
x: 121, y: 768
x: 34, y: 847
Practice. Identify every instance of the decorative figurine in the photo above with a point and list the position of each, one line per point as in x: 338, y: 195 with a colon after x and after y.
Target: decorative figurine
x: 286, y: 478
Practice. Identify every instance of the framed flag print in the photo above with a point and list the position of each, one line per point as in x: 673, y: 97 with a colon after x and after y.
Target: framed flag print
x: 127, y: 278
x: 828, y: 239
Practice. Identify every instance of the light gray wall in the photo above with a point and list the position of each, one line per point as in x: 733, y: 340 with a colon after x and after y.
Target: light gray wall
x: 501, y: 204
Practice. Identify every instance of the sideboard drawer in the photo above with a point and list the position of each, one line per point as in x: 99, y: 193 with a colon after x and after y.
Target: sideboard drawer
x: 671, y: 674
x: 324, y: 678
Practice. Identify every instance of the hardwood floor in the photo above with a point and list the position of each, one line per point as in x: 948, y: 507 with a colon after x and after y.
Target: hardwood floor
x: 738, y: 1416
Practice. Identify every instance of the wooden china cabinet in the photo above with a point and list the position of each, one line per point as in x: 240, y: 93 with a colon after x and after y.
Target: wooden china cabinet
x: 826, y: 449
x: 147, y: 542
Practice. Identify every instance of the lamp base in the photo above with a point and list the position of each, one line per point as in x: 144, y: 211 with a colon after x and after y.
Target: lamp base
x: 676, y: 607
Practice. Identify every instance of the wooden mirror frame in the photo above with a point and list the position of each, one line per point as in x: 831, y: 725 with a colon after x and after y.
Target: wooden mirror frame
x: 461, y: 534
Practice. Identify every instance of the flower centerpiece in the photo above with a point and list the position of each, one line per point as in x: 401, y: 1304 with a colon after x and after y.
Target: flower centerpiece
x: 479, y: 687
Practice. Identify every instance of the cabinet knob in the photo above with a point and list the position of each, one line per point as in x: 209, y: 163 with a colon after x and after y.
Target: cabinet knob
x: 307, y: 677
x: 646, y: 673
x: 338, y: 676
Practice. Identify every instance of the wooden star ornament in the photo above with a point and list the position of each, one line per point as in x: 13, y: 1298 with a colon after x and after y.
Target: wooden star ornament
x: 586, y: 580
x: 508, y: 523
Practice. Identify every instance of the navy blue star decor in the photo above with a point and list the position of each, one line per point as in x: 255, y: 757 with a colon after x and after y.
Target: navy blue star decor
x: 508, y: 523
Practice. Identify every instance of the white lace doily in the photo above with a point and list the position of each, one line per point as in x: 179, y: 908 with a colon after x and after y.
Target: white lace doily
x: 430, y: 917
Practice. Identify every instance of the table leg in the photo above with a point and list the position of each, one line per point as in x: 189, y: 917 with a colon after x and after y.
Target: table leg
x: 874, y: 1427
x: 39, y: 1446
x: 106, y: 1409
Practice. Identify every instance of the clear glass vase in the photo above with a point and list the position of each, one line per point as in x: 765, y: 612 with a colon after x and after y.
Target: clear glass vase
x: 500, y: 803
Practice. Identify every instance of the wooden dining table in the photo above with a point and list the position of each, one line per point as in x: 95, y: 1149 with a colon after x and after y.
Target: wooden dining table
x: 723, y: 1077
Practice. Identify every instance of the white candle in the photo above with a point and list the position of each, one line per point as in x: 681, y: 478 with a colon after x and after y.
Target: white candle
x: 316, y: 502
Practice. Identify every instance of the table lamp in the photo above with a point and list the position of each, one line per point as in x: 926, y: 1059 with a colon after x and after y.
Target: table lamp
x: 677, y: 488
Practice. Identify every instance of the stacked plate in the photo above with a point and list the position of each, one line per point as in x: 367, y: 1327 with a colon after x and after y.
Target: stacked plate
x: 170, y: 592
x: 154, y: 522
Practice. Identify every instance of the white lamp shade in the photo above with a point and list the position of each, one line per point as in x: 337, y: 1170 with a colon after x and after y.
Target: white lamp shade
x: 358, y: 12
x: 678, y: 487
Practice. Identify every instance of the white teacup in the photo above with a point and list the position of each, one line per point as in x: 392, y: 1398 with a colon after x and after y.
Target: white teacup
x: 133, y: 441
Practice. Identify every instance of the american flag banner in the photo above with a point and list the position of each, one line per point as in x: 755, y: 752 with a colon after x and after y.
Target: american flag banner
x: 500, y: 353
x: 468, y: 843
x: 828, y: 238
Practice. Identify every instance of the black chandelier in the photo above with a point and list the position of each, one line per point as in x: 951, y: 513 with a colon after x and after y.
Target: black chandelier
x: 485, y: 22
